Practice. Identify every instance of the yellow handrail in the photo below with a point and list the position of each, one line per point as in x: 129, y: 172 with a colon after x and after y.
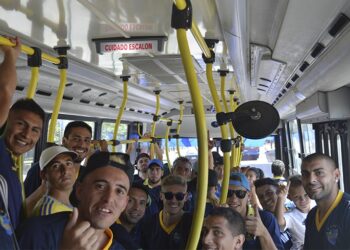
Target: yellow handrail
x: 179, y: 127
x: 201, y: 129
x: 167, y: 146
x: 153, y: 130
x: 57, y: 104
x: 33, y: 82
x: 121, y: 111
x: 224, y: 132
x: 29, y: 51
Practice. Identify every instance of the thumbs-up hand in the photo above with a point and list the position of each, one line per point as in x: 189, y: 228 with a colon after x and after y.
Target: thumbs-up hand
x: 79, y: 234
x: 254, y: 225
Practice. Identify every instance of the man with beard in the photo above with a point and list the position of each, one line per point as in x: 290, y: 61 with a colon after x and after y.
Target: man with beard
x: 141, y: 165
x: 128, y: 227
x: 101, y: 193
x: 60, y: 173
x: 77, y: 137
x: 153, y: 182
x: 169, y: 228
x: 327, y: 224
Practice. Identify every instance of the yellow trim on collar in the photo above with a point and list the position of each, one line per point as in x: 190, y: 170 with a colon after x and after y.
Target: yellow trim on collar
x: 109, y: 234
x: 118, y: 221
x: 145, y: 182
x: 320, y: 222
x: 168, y: 229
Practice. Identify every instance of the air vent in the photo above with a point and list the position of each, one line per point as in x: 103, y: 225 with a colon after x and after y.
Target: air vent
x: 99, y: 104
x: 112, y: 106
x: 265, y: 79
x: 189, y: 102
x: 86, y: 90
x: 279, y: 95
x: 85, y: 101
x: 131, y: 109
x: 44, y: 93
x: 102, y: 94
x: 139, y: 111
x: 284, y: 91
x: 304, y: 66
x: 147, y: 113
x: 339, y: 25
x: 19, y: 88
x: 317, y: 50
x: 68, y: 98
x: 69, y: 84
x: 263, y: 85
x: 262, y: 89
x: 295, y: 77
x: 164, y: 113
x: 288, y: 85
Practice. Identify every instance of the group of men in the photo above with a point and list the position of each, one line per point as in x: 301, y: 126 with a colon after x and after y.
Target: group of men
x: 95, y: 206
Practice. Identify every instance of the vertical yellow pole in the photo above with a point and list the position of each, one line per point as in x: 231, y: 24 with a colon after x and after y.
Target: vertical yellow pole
x: 33, y: 82
x: 154, y: 123
x: 167, y: 146
x: 121, y: 109
x: 179, y: 127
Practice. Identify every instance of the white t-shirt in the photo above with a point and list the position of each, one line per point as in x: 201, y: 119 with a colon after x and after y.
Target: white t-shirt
x: 295, y: 223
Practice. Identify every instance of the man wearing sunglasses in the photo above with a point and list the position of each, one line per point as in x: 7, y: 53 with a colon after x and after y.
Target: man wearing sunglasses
x: 169, y: 228
x: 101, y: 194
x: 261, y: 226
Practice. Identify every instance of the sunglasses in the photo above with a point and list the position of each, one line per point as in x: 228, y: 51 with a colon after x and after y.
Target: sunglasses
x: 169, y: 196
x: 239, y: 193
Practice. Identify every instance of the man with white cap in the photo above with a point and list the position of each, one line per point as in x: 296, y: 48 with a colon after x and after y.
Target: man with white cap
x: 59, y: 172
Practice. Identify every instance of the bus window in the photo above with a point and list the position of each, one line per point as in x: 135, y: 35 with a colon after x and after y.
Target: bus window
x: 329, y: 145
x: 28, y: 159
x: 293, y: 126
x: 61, y: 125
x: 340, y: 162
x: 308, y: 138
x: 259, y: 153
x: 188, y: 149
x: 107, y: 134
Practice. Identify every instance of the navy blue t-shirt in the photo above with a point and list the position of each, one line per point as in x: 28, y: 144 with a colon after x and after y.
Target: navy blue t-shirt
x: 45, y: 232
x: 33, y: 180
x: 125, y: 238
x: 272, y: 227
x: 334, y: 233
x: 153, y: 235
x: 13, y: 184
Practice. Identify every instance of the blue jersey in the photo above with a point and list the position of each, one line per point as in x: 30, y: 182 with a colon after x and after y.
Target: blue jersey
x: 45, y: 232
x: 33, y: 179
x: 333, y: 231
x: 156, y: 236
x: 272, y: 227
x: 13, y: 184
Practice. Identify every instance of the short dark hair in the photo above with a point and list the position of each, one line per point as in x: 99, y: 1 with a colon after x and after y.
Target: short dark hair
x: 261, y: 173
x: 28, y: 104
x: 277, y: 168
x: 76, y: 124
x: 266, y: 181
x: 295, y: 181
x: 256, y: 171
x: 318, y: 156
x: 235, y: 220
x: 180, y: 160
x: 173, y: 180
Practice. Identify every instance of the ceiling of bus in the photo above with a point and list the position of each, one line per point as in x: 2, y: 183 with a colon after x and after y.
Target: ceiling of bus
x: 267, y: 41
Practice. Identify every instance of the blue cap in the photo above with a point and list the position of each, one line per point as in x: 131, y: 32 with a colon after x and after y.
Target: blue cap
x: 155, y: 162
x: 239, y: 180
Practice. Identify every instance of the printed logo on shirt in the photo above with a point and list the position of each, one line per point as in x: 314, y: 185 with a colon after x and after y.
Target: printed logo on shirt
x: 5, y: 223
x: 332, y: 234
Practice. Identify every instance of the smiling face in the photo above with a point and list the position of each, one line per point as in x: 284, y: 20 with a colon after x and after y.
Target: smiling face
x: 216, y: 234
x: 61, y: 173
x: 320, y: 179
x: 23, y: 130
x: 136, y: 207
x: 267, y: 195
x: 78, y: 141
x: 173, y: 206
x: 102, y: 196
x: 300, y: 198
x: 237, y: 204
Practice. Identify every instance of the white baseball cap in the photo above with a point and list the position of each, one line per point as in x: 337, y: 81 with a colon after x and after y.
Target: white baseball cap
x: 50, y: 153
